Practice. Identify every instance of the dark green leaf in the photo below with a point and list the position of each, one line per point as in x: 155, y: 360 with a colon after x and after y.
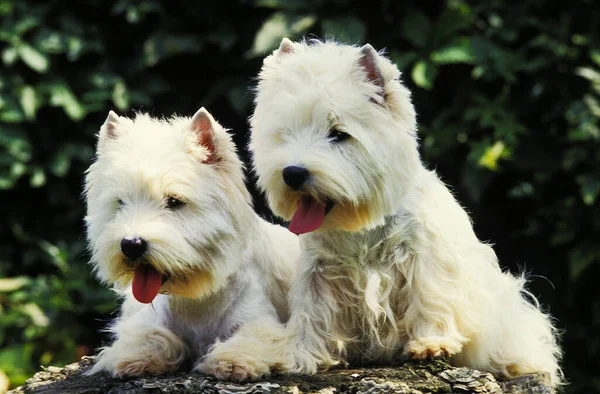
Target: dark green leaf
x: 458, y: 52
x: 415, y: 28
x: 403, y: 59
x: 345, y: 29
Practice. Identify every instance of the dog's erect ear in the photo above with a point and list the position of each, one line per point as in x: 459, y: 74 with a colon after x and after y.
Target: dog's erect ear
x: 368, y: 61
x: 110, y: 129
x: 203, y: 124
x: 285, y: 48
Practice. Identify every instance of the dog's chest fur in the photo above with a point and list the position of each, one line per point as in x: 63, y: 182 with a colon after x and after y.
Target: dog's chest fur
x: 365, y: 273
x: 200, y: 322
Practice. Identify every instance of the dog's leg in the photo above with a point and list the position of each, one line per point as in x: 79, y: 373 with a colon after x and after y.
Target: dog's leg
x: 142, y: 347
x: 438, y: 311
x: 304, y: 345
x: 314, y: 342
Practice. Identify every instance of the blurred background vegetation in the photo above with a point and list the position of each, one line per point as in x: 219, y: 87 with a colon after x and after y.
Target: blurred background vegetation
x: 508, y: 94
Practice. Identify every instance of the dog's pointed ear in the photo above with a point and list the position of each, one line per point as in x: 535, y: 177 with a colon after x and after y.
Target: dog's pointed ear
x: 203, y: 125
x: 110, y: 129
x: 286, y: 47
x: 368, y: 61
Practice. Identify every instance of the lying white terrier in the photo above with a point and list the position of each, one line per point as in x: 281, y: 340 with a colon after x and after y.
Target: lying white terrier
x: 170, y: 219
x: 390, y: 267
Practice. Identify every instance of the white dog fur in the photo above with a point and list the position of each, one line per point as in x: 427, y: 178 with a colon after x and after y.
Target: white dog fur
x: 227, y: 268
x: 395, y: 270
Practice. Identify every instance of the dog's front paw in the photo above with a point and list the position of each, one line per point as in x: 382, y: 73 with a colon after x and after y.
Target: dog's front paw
x: 121, y: 364
x: 236, y: 369
x: 428, y: 348
x: 149, y: 365
x: 153, y: 352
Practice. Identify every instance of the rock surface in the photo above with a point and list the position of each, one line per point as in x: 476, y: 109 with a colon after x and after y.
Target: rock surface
x: 409, y: 378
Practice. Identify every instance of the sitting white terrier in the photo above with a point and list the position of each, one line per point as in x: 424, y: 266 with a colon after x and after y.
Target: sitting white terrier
x: 170, y: 220
x: 390, y: 266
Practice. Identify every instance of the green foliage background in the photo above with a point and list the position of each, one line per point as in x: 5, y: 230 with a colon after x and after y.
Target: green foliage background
x: 508, y: 94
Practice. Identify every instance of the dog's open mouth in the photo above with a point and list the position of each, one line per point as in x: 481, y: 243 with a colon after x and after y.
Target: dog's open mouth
x: 146, y: 283
x: 309, y: 215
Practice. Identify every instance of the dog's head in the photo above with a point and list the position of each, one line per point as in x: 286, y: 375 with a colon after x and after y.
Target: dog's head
x: 165, y: 201
x: 333, y: 136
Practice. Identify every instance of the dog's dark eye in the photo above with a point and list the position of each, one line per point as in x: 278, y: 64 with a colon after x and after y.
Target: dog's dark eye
x: 174, y: 202
x: 120, y: 203
x: 336, y: 136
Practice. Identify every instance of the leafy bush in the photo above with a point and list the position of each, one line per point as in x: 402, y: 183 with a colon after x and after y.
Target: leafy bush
x: 508, y: 97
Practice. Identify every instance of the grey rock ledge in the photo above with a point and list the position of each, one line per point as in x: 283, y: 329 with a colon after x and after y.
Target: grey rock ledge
x: 409, y: 378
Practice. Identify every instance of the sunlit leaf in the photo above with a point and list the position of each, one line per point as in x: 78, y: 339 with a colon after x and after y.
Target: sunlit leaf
x: 120, y: 96
x: 61, y: 95
x: 27, y: 23
x: 6, y: 182
x: 35, y: 313
x: 29, y: 101
x: 12, y: 284
x: 492, y: 155
x: 35, y: 59
x: 17, y: 170
x: 15, y: 360
x: 588, y: 73
x: 17, y: 144
x: 11, y: 114
x: 38, y: 177
x: 275, y: 28
x: 424, y: 73
x: 459, y: 52
x: 590, y: 187
x: 283, y: 4
x: 59, y: 256
x: 595, y: 55
x: 9, y: 55
x: 4, y: 382
x: 75, y: 48
x: 50, y: 41
x: 522, y: 190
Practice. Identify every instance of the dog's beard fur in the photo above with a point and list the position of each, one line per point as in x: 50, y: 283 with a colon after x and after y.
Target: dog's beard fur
x: 222, y: 267
x: 395, y: 268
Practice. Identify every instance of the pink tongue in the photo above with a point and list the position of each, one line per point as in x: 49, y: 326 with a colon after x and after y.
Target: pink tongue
x: 146, y: 283
x: 308, y: 217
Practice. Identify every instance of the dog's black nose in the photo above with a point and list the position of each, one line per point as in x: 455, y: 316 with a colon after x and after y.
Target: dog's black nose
x: 133, y: 248
x: 295, y: 176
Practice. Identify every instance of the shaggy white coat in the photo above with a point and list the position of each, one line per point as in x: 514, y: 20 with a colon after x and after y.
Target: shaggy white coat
x: 227, y: 267
x: 395, y: 271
